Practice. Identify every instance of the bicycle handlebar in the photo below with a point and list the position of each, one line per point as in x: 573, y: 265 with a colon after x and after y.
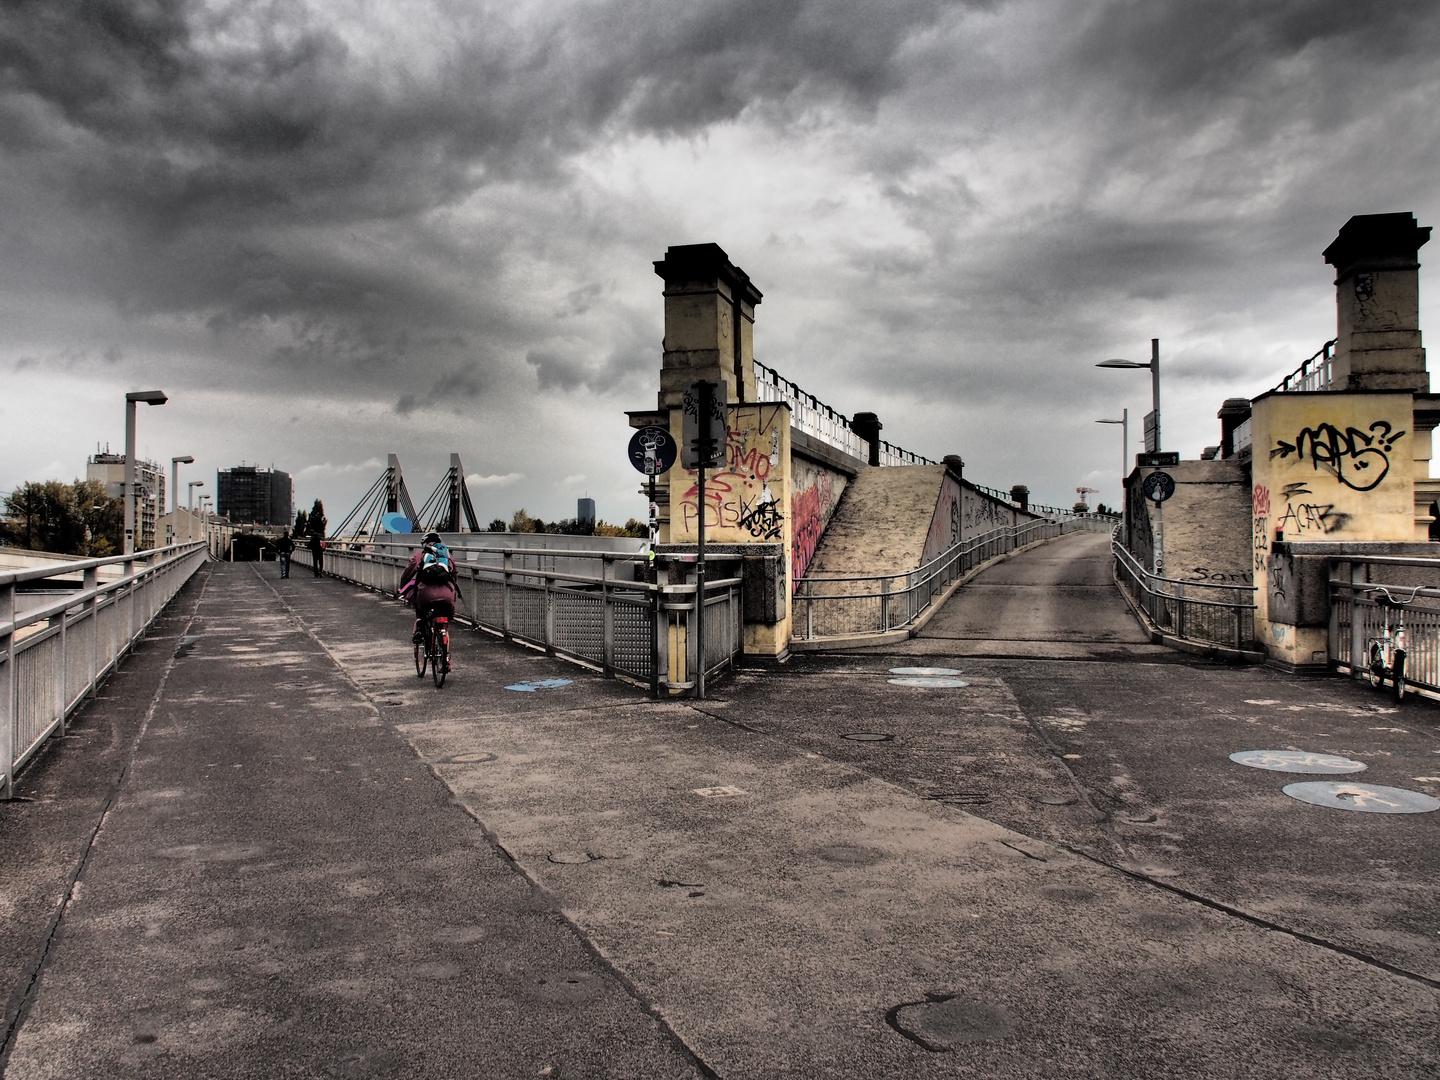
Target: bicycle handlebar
x: 1384, y: 590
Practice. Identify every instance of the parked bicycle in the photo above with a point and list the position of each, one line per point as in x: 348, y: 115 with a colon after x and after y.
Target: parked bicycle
x: 434, y: 651
x: 1386, y: 651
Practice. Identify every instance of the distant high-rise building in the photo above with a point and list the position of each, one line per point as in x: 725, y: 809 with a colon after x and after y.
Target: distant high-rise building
x: 585, y: 510
x: 250, y: 495
x: 109, y: 469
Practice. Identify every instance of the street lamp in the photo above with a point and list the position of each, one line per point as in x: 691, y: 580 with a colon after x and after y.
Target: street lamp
x: 149, y: 397
x: 1152, y: 422
x: 175, y: 463
x: 1124, y: 423
x: 190, y: 498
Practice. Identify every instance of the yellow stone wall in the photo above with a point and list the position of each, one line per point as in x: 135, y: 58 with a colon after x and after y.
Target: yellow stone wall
x: 746, y: 502
x: 1326, y: 466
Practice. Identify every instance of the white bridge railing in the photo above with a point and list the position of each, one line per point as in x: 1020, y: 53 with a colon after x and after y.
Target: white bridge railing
x: 869, y: 605
x: 58, y: 644
x: 592, y: 606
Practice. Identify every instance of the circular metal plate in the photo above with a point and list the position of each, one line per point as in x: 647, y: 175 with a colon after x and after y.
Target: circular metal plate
x: 539, y: 684
x: 1367, y: 798
x: 924, y: 671
x: 927, y: 682
x: 1298, y: 761
x: 868, y: 736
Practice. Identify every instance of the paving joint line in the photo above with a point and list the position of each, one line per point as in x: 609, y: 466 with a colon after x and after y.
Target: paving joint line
x: 1256, y: 920
x: 503, y: 853
x: 24, y: 996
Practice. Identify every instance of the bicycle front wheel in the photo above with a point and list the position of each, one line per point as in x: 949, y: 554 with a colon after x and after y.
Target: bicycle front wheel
x: 1397, y: 672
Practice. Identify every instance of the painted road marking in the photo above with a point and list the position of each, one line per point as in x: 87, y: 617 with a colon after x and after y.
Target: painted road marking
x: 1297, y: 761
x: 725, y: 791
x: 1367, y: 798
x: 926, y: 682
x: 533, y: 685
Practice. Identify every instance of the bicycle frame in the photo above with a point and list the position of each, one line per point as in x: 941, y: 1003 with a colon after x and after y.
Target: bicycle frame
x: 1386, y: 651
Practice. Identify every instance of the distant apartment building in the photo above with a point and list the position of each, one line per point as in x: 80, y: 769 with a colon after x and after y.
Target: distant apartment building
x: 109, y: 469
x: 250, y: 495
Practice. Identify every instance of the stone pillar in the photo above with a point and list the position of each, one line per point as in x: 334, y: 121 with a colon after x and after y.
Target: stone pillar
x: 1377, y: 298
x: 867, y: 425
x: 709, y: 324
x: 1020, y: 496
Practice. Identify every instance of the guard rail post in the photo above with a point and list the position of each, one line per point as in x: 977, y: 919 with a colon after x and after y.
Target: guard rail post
x: 9, y: 710
x: 549, y: 615
x: 885, y: 605
x: 506, y: 563
x: 92, y: 610
x: 61, y: 689
x: 1359, y: 575
x: 607, y: 619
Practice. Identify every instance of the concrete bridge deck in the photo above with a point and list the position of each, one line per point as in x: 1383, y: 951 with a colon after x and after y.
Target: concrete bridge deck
x: 284, y: 855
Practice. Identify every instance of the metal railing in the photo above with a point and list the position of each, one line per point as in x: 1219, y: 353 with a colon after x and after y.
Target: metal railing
x: 1350, y: 637
x: 860, y: 606
x: 809, y: 413
x: 590, y: 606
x: 57, y: 650
x: 1313, y: 374
x: 1196, y: 611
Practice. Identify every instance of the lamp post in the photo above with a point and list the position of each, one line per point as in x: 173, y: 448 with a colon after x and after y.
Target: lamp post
x: 190, y: 509
x: 175, y: 463
x: 1124, y: 423
x: 1153, y: 420
x: 149, y: 397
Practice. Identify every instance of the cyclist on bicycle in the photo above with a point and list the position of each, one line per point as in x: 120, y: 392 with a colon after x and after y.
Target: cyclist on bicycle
x: 428, y: 581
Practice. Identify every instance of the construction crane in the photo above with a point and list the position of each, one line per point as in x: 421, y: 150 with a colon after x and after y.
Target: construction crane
x: 1081, y: 506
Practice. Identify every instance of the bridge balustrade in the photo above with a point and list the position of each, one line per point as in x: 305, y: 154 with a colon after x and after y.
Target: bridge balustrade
x: 595, y: 607
x: 828, y: 607
x: 57, y: 651
x: 1196, y: 611
x: 1357, y: 618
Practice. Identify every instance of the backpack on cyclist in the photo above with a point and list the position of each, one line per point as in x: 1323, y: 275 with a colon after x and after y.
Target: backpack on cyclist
x: 435, y: 567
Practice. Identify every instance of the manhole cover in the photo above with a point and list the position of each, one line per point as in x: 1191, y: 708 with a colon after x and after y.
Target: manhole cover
x: 476, y: 758
x: 924, y: 671
x: 868, y: 736
x: 927, y: 682
x: 1300, y: 761
x: 1368, y: 798
x: 532, y: 685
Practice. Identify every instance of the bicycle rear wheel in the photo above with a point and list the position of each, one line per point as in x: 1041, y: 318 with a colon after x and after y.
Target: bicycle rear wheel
x: 440, y: 662
x: 421, y: 655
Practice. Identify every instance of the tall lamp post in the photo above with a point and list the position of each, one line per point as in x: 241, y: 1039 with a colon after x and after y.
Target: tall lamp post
x: 175, y: 463
x: 1124, y: 423
x: 1152, y: 422
x: 149, y: 397
x: 190, y: 510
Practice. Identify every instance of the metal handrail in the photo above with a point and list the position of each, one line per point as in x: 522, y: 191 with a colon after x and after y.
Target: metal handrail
x: 55, y: 655
x: 1229, y: 623
x: 1305, y: 377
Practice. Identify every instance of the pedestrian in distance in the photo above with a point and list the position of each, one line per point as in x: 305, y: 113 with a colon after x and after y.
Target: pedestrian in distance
x: 283, y: 549
x: 317, y: 553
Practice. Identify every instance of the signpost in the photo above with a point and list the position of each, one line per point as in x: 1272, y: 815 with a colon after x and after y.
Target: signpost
x: 1157, y: 487
x: 702, y: 417
x: 652, y: 451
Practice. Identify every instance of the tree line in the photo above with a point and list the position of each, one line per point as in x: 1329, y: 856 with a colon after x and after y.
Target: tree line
x: 520, y: 521
x: 79, y: 518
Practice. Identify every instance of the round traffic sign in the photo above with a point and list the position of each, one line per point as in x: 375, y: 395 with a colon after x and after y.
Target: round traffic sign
x: 652, y: 451
x: 1158, y: 486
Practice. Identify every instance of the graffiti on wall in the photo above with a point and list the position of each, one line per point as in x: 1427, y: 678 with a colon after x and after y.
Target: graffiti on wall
x: 1358, y: 459
x: 817, y: 491
x: 744, y: 497
x: 982, y: 513
x: 945, y: 525
x: 1299, y: 519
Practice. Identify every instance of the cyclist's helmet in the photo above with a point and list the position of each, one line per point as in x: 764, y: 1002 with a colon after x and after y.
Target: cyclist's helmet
x: 431, y: 537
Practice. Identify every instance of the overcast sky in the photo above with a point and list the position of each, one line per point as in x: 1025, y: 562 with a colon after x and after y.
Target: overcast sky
x: 335, y: 230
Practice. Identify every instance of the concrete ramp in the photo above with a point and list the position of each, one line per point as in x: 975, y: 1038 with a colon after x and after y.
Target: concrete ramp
x: 882, y: 523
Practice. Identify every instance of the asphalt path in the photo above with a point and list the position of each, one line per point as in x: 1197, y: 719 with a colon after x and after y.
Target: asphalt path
x: 314, y: 864
x: 1055, y: 599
